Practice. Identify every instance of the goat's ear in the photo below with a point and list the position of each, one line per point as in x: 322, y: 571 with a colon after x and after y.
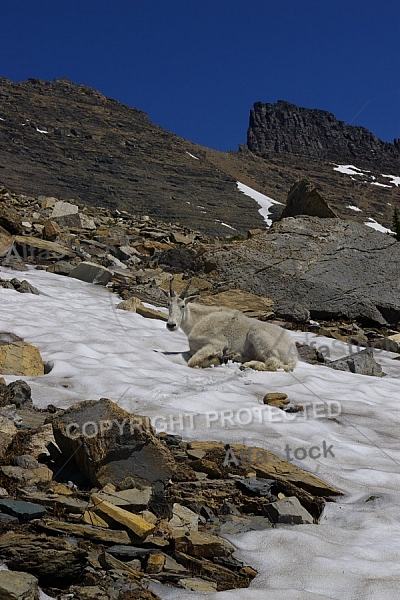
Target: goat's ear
x: 191, y: 298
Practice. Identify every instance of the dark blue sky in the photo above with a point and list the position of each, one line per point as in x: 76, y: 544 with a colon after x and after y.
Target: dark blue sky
x: 197, y: 67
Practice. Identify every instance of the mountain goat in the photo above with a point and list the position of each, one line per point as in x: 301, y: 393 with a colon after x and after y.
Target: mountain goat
x: 217, y: 334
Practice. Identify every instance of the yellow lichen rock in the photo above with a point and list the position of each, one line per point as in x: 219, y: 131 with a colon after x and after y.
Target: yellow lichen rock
x: 19, y: 358
x: 139, y: 526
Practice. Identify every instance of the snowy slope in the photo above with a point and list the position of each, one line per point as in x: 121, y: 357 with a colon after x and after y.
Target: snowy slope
x: 368, y: 178
x: 96, y: 350
x: 265, y: 202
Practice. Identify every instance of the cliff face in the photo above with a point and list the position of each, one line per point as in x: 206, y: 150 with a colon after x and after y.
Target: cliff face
x: 284, y: 128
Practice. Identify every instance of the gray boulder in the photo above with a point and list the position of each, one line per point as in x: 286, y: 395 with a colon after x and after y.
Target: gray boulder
x: 91, y: 273
x: 362, y: 363
x: 288, y: 510
x: 331, y: 267
x: 15, y: 585
x: 109, y: 444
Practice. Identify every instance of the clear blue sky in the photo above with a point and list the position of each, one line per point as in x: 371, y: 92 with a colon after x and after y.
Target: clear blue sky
x: 197, y: 66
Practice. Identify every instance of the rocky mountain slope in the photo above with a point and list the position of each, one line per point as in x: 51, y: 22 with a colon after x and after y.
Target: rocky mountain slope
x: 69, y: 141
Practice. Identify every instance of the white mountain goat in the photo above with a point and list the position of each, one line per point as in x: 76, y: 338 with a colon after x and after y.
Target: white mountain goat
x: 217, y: 334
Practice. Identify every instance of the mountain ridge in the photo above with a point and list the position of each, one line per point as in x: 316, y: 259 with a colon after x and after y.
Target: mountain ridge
x: 70, y: 141
x: 284, y: 128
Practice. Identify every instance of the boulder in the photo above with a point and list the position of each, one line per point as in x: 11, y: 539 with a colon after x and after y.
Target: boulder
x: 51, y: 230
x: 304, y: 199
x: 331, y: 267
x: 61, y: 209
x: 362, y: 363
x: 15, y: 585
x: 17, y: 392
x: 288, y: 510
x: 109, y: 444
x: 390, y: 343
x: 91, y: 273
x: 20, y: 358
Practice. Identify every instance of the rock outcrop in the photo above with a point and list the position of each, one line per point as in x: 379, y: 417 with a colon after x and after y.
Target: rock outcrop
x: 305, y: 199
x: 330, y: 267
x: 98, y: 433
x: 285, y: 128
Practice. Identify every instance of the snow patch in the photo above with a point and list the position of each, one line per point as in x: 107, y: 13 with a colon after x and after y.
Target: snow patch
x: 375, y: 225
x: 192, y: 155
x: 381, y: 184
x: 264, y: 201
x: 349, y: 170
x: 352, y: 170
x: 354, y: 208
x: 226, y: 225
x: 395, y: 180
x: 100, y: 351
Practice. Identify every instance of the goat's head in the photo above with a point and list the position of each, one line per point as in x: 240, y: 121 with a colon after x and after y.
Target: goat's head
x: 176, y: 305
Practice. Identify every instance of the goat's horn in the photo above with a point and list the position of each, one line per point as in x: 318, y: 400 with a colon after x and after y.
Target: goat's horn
x: 171, y: 287
x: 185, y: 291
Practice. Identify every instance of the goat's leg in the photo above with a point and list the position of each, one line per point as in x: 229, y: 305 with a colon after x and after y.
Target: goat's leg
x: 207, y: 356
x: 271, y: 364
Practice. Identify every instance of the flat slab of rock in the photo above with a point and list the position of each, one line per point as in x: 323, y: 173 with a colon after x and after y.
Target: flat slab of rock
x: 268, y: 465
x: 134, y: 523
x: 135, y: 305
x: 331, y: 267
x: 183, y: 519
x: 26, y: 511
x: 28, y: 476
x: 109, y: 444
x: 105, y: 536
x: 91, y: 273
x: 250, y: 304
x: 56, y: 501
x: 215, y: 572
x: 202, y: 544
x: 15, y: 585
x: 132, y: 499
x: 25, y: 246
